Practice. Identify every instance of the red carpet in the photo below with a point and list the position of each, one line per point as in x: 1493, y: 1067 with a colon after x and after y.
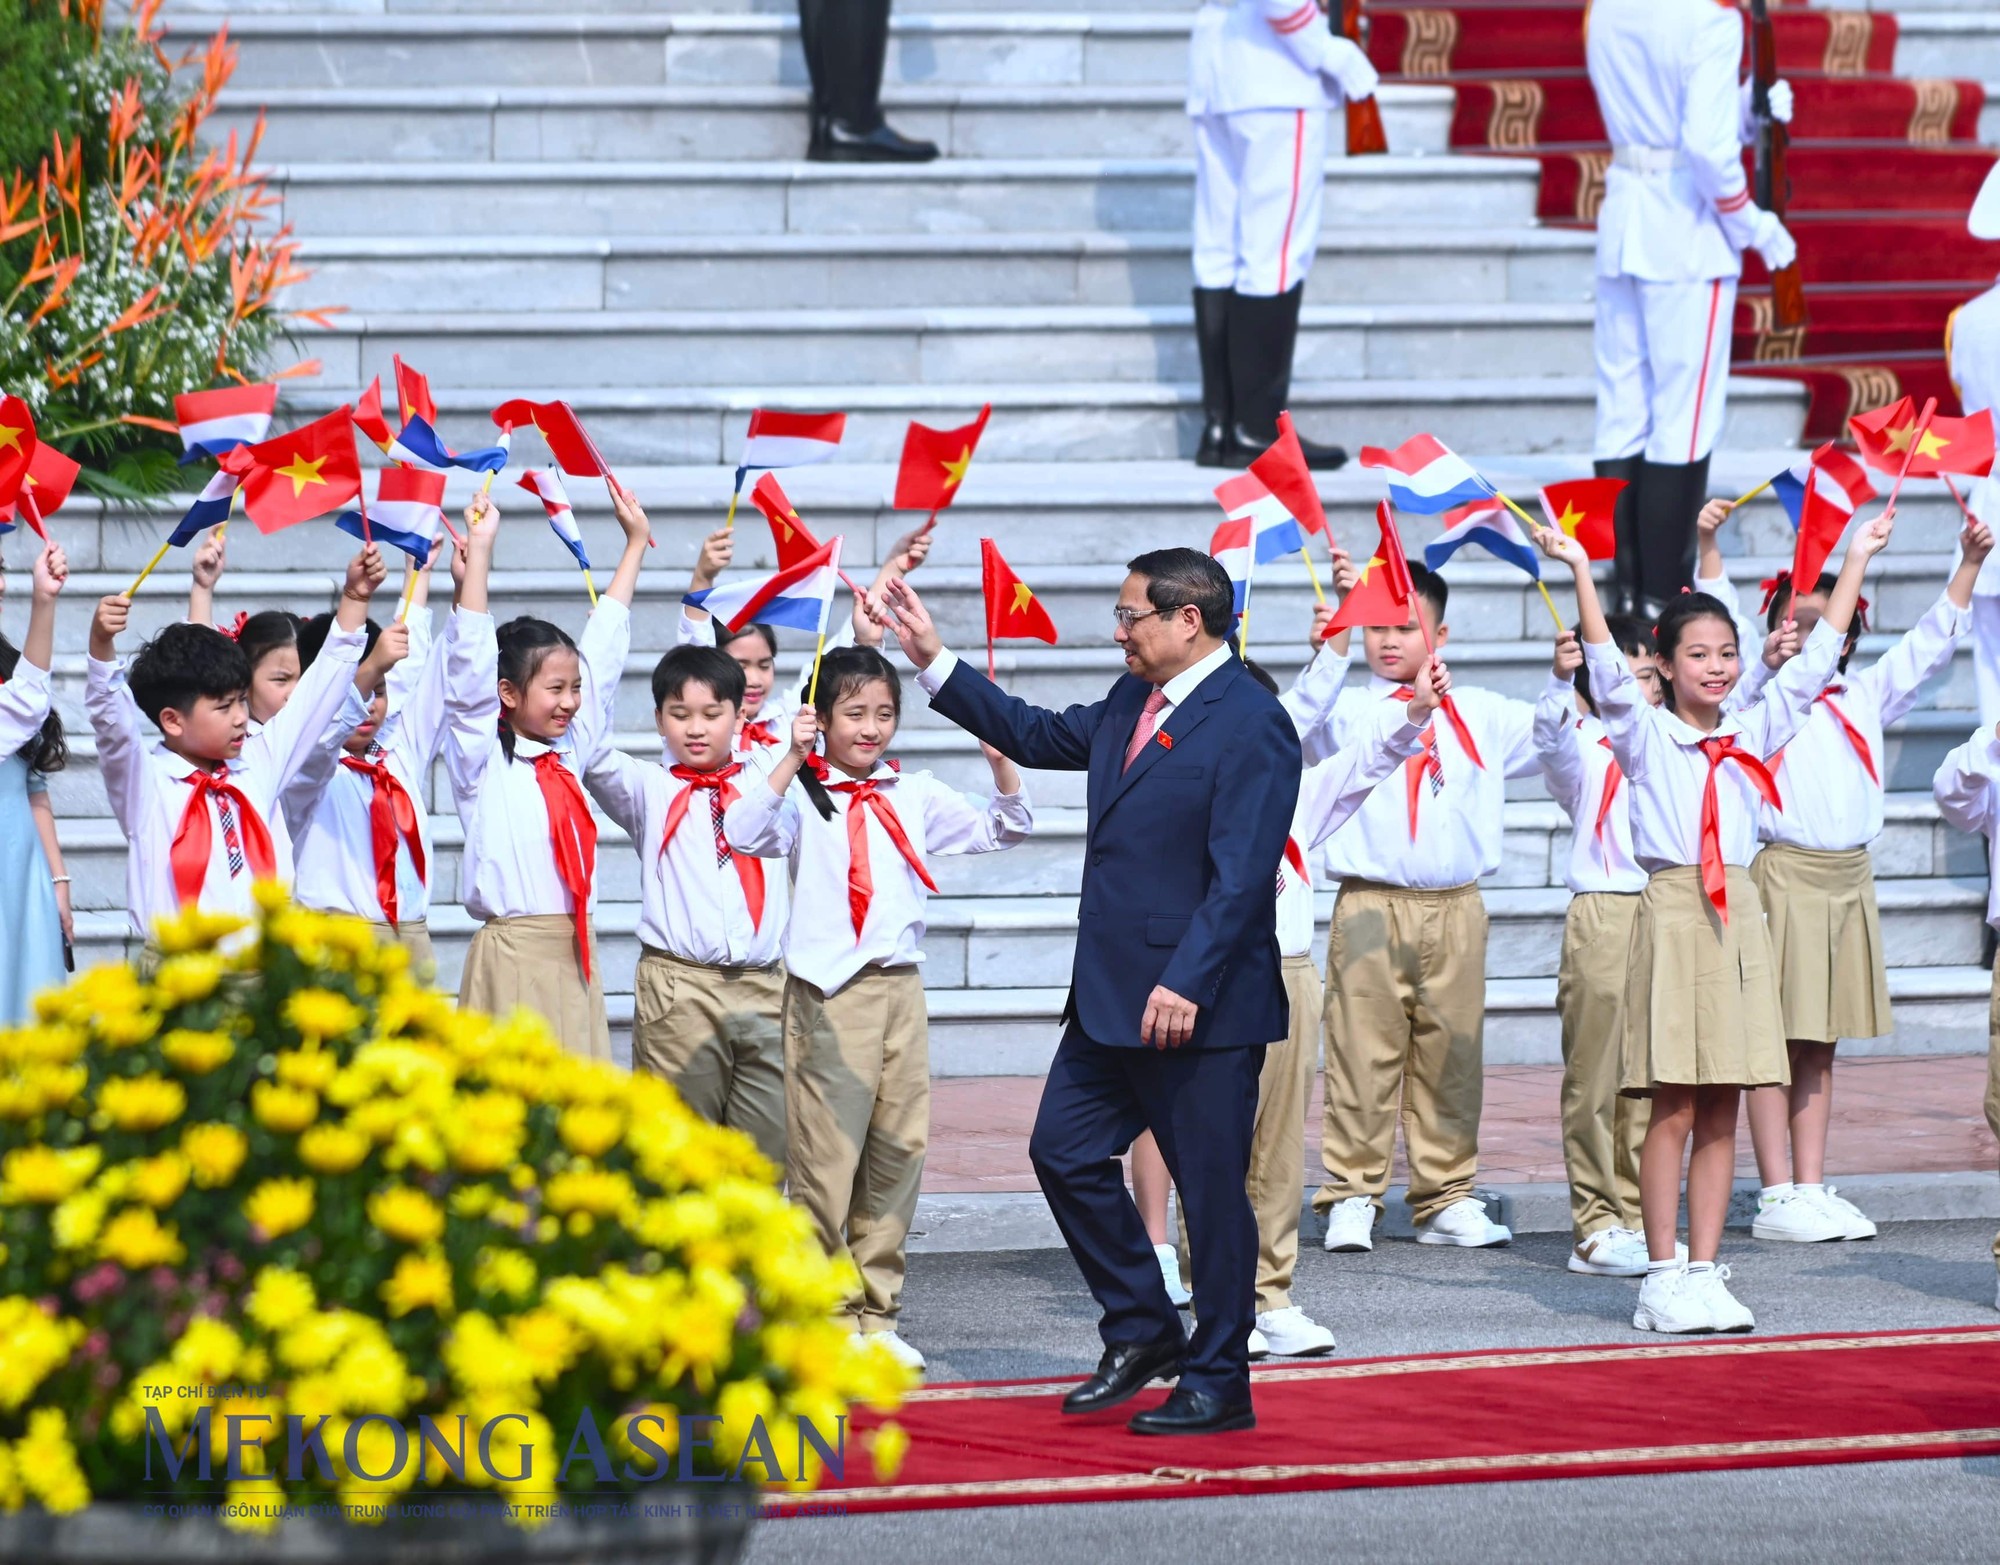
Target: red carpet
x: 1642, y: 1407
x: 1883, y: 171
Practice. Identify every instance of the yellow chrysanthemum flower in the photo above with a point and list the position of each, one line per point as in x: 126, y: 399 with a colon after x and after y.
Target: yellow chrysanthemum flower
x: 546, y: 1341
x: 141, y: 1102
x: 136, y: 1239
x: 280, y: 1206
x: 591, y: 1129
x: 194, y: 930
x: 886, y: 1448
x: 208, y: 1351
x: 253, y: 1506
x: 280, y: 1299
x: 33, y: 1346
x: 600, y: 1192
x: 159, y: 1181
x: 181, y: 979
x: 332, y: 1149
x: 48, y: 1466
x: 507, y: 1273
x: 216, y: 1151
x: 406, y: 1214
x: 76, y: 1223
x: 420, y: 1281
x: 42, y: 1176
x: 319, y: 1014
x: 311, y: 1068
x: 197, y: 1053
x: 287, y: 1110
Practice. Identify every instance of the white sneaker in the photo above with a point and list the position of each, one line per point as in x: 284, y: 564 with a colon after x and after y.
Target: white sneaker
x: 1796, y: 1218
x: 899, y: 1350
x: 1610, y: 1252
x: 1669, y: 1301
x: 1725, y: 1311
x: 1464, y: 1223
x: 1350, y: 1225
x: 1260, y: 1345
x: 1856, y: 1223
x: 1170, y: 1274
x: 1293, y: 1334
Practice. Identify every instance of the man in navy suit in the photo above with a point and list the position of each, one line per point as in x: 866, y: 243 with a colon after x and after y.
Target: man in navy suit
x: 1178, y: 982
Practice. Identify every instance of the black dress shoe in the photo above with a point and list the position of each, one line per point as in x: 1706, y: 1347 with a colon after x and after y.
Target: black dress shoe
x: 1244, y: 447
x: 883, y: 144
x: 1123, y: 1373
x: 1188, y: 1412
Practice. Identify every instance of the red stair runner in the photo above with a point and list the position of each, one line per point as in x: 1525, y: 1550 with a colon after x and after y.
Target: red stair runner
x: 1883, y: 171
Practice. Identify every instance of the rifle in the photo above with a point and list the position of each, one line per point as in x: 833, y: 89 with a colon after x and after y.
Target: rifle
x: 1773, y: 181
x: 1364, y: 116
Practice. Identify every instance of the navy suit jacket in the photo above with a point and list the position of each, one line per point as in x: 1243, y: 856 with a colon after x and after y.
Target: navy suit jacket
x: 1181, y: 860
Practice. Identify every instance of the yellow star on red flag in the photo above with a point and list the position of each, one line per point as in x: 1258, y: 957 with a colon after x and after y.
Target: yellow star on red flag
x: 302, y: 470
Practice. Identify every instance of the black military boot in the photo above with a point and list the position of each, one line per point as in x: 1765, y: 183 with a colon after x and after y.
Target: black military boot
x: 1625, y: 525
x: 1211, y: 336
x: 1262, y: 335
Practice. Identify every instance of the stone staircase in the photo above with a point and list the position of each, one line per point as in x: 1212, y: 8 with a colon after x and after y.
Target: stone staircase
x: 603, y: 204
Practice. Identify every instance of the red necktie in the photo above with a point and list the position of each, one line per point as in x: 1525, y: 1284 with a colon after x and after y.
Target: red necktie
x: 573, y: 836
x: 1453, y: 716
x: 1715, y: 873
x: 1613, y: 776
x: 391, y: 814
x: 865, y: 797
x: 759, y: 732
x: 1149, y: 717
x: 750, y: 871
x: 195, y: 835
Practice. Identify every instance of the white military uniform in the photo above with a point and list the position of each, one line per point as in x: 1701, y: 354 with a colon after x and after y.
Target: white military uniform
x: 1261, y: 76
x: 1676, y: 218
x: 1972, y: 344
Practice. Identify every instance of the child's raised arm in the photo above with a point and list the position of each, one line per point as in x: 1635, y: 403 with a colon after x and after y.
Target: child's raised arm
x: 482, y: 525
x: 206, y: 570
x: 717, y: 550
x: 51, y: 572
x: 1589, y: 611
x: 638, y: 533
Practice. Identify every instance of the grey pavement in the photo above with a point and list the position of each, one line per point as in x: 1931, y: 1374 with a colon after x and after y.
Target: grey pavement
x: 1005, y: 1314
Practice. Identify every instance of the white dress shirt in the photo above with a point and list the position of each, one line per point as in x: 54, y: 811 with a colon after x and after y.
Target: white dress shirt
x: 24, y: 705
x: 821, y: 945
x: 149, y: 787
x: 690, y: 906
x: 1461, y: 825
x: 1577, y: 763
x: 1967, y: 790
x: 336, y: 838
x: 1666, y: 769
x: 509, y: 864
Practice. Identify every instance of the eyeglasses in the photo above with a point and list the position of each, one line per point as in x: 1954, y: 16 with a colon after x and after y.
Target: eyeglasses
x: 1130, y: 617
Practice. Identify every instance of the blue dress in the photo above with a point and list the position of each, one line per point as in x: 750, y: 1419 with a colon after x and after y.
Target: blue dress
x: 31, y: 958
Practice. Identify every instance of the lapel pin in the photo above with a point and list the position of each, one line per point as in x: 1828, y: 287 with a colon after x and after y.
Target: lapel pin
x: 1165, y: 741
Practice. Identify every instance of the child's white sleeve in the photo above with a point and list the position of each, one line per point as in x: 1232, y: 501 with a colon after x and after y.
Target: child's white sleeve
x: 305, y: 729
x: 617, y: 782
x: 606, y: 643
x: 1310, y: 702
x: 24, y: 705
x: 471, y: 700
x: 1923, y: 650
x: 115, y: 718
x: 1516, y: 729
x: 1555, y: 744
x: 1963, y: 786
x: 1773, y: 722
x: 694, y: 632
x: 300, y: 797
x: 1330, y: 792
x: 957, y: 823
x: 415, y: 724
x: 1620, y: 706
x: 399, y: 685
x: 761, y: 823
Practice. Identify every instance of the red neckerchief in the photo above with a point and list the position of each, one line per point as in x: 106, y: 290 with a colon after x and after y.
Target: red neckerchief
x: 1715, y: 873
x: 1297, y: 860
x: 863, y: 798
x: 1453, y: 716
x: 573, y: 837
x: 759, y: 732
x: 749, y: 870
x: 1612, y: 778
x: 1855, y: 736
x: 391, y: 814
x: 195, y: 835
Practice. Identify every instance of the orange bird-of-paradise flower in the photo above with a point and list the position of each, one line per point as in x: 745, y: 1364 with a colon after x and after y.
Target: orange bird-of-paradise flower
x: 52, y: 301
x: 137, y: 313
x: 303, y: 367
x: 164, y: 426
x: 125, y: 111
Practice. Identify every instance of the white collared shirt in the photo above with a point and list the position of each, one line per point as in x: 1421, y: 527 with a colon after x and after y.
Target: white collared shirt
x: 335, y: 846
x: 509, y: 864
x: 1666, y: 770
x: 1967, y: 790
x: 149, y: 787
x: 821, y: 945
x: 24, y: 705
x: 1461, y: 825
x: 690, y: 906
x: 1576, y: 763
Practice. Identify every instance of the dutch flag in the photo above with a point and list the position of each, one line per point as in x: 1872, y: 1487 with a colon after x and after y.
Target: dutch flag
x: 1274, y: 531
x: 545, y: 483
x: 799, y: 596
x: 789, y: 439
x: 213, y: 422
x: 1230, y: 548
x: 419, y: 446
x: 1489, y: 524
x: 1425, y: 476
x: 210, y: 509
x: 408, y: 512
x: 1829, y: 477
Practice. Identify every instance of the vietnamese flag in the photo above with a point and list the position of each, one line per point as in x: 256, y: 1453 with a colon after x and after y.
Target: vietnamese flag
x: 296, y: 476
x: 1284, y: 472
x: 790, y: 535
x: 17, y: 445
x: 1583, y: 508
x: 1382, y: 596
x: 934, y: 463
x: 45, y: 488
x: 1949, y: 445
x: 568, y: 441
x: 368, y: 415
x: 1012, y: 610
x: 413, y: 395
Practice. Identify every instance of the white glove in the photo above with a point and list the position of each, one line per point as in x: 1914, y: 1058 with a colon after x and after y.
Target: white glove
x: 1773, y: 241
x: 1781, y: 101
x: 1781, y: 107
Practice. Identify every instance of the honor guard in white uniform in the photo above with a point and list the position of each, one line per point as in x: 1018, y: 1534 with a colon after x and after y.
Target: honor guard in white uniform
x: 1262, y: 75
x: 1676, y: 219
x: 1972, y: 349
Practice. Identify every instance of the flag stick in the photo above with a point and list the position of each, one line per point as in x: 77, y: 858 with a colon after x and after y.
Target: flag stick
x: 812, y: 686
x: 494, y: 472
x: 929, y: 521
x: 409, y: 592
x: 1909, y: 456
x: 590, y: 586
x: 1319, y: 593
x: 1539, y: 586
x: 361, y: 499
x: 1962, y: 511
x: 451, y: 529
x: 736, y: 494
x: 1745, y: 499
x: 158, y: 555
x: 989, y: 653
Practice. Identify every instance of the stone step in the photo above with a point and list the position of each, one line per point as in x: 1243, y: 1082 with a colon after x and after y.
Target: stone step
x: 941, y: 347
x: 1949, y: 42
x: 994, y: 48
x: 210, y: 9
x: 1037, y: 195
x: 535, y: 121
x: 510, y: 271
x: 1110, y: 421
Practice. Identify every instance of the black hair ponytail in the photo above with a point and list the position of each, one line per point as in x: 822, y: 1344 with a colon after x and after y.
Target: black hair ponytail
x: 266, y: 632
x: 47, y: 750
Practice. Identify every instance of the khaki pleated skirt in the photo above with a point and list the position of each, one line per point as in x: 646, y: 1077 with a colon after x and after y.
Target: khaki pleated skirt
x: 1701, y: 999
x: 1826, y: 942
x: 414, y: 936
x: 531, y: 964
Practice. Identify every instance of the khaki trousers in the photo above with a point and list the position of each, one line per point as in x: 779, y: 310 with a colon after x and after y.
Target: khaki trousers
x: 1276, y: 1183
x: 858, y: 1116
x: 1602, y: 1130
x: 714, y: 1033
x: 1993, y: 1076
x: 1405, y: 1018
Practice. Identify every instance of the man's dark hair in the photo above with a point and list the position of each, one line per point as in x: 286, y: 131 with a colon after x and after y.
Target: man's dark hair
x: 709, y: 666
x: 1187, y: 578
x: 1431, y: 587
x: 312, y: 637
x: 182, y: 664
x: 1630, y: 634
x: 1261, y: 674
